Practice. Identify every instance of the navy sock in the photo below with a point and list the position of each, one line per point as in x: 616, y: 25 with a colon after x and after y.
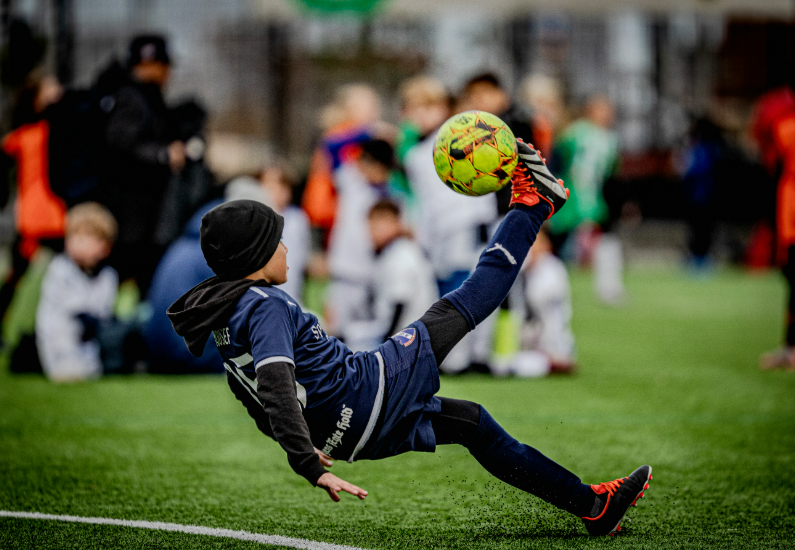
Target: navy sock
x: 499, y: 264
x: 527, y: 469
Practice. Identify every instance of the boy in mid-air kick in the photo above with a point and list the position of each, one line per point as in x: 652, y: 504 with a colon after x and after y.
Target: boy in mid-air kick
x: 320, y: 401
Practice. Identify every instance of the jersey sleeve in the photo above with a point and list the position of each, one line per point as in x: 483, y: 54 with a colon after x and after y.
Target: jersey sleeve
x: 271, y: 332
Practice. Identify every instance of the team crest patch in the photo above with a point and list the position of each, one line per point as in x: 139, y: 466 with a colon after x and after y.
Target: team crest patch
x: 405, y: 336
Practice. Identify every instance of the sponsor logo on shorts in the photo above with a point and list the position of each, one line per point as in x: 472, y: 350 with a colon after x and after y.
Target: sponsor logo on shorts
x: 405, y: 336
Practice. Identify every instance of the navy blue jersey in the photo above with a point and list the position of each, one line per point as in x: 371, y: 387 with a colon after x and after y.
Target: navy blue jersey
x: 340, y: 392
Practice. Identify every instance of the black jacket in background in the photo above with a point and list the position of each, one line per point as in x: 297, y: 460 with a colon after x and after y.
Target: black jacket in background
x: 137, y: 136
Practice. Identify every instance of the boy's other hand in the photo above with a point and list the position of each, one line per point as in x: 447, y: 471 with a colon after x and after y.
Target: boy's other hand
x: 333, y: 485
x: 325, y: 459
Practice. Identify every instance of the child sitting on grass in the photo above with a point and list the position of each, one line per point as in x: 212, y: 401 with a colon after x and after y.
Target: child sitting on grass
x: 403, y: 285
x: 321, y: 401
x: 547, y: 341
x: 77, y: 291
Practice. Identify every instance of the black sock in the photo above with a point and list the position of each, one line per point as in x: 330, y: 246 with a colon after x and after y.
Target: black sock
x: 527, y: 469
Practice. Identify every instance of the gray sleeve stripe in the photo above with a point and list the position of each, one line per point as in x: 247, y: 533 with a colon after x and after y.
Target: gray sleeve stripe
x: 258, y: 291
x: 243, y: 361
x: 275, y: 359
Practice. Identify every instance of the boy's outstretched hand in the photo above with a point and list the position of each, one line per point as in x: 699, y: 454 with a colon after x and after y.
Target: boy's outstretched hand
x: 333, y: 485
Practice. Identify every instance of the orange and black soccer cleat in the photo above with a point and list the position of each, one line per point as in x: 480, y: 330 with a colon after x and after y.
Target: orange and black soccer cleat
x: 532, y: 181
x: 613, y: 499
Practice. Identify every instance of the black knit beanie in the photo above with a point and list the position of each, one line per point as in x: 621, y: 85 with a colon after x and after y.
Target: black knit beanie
x: 240, y: 237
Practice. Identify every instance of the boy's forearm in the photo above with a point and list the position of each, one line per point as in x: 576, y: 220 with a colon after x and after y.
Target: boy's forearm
x: 276, y: 390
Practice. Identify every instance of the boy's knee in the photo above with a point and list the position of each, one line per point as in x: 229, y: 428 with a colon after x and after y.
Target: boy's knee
x: 489, y: 435
x: 465, y: 411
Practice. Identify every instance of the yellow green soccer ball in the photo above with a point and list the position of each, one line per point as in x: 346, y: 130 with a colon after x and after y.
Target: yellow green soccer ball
x: 475, y: 153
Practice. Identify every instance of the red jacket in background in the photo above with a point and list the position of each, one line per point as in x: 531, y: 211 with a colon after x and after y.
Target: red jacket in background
x: 40, y: 214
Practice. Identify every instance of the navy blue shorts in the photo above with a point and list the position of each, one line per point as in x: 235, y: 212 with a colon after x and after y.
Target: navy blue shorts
x: 412, y: 381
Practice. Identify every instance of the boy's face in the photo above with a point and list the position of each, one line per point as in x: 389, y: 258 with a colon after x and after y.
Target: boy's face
x: 275, y: 271
x: 484, y: 96
x: 384, y: 227
x: 153, y: 72
x: 427, y: 116
x: 601, y: 112
x: 280, y: 193
x: 374, y: 172
x: 50, y: 91
x: 86, y: 249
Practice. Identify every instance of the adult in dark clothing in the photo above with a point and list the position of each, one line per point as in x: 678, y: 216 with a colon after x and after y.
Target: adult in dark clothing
x: 142, y: 156
x: 195, y: 184
x: 484, y: 92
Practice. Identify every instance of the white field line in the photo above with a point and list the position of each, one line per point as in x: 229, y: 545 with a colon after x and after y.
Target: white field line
x: 275, y: 540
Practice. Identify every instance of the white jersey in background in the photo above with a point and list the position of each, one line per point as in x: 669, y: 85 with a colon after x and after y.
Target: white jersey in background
x: 449, y: 223
x: 67, y: 291
x: 350, y: 251
x: 548, y: 296
x: 402, y: 275
x: 297, y: 239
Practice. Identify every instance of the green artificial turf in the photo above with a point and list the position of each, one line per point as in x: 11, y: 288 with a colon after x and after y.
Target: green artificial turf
x: 670, y: 379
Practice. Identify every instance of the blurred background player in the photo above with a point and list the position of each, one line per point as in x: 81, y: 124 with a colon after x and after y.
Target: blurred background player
x: 484, y: 92
x: 360, y: 184
x: 39, y: 213
x: 77, y: 292
x: 585, y: 156
x: 424, y: 106
x: 543, y: 96
x: 143, y: 152
x: 451, y: 228
x: 352, y: 118
x: 703, y: 156
x: 278, y: 186
x: 547, y: 341
x: 403, y: 285
x: 774, y: 131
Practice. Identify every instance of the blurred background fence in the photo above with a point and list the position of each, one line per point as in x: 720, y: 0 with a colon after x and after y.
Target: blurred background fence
x: 263, y: 67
